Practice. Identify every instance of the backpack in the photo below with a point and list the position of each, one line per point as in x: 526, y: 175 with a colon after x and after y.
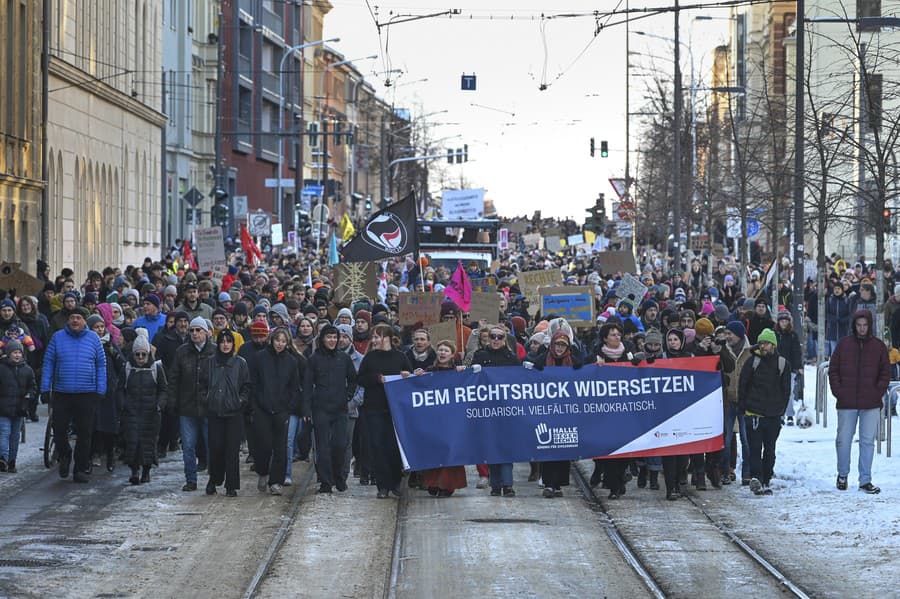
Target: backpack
x: 782, y: 364
x: 153, y: 370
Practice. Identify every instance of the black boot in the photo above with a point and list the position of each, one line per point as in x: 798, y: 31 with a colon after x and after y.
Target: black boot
x: 642, y: 477
x: 145, y: 474
x: 673, y: 493
x: 700, y: 481
x: 535, y: 472
x: 110, y: 460
x: 654, y: 480
x: 134, y: 480
x: 597, y: 476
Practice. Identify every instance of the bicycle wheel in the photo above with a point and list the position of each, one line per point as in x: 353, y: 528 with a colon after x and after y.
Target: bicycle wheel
x: 50, y: 456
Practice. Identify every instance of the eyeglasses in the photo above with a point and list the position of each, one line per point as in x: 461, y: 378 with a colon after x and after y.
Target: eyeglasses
x: 561, y: 344
x: 140, y: 354
x: 496, y: 336
x: 198, y: 330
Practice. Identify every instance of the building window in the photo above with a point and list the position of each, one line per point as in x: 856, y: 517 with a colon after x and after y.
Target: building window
x: 245, y: 44
x: 268, y: 57
x: 868, y: 9
x: 245, y: 106
x: 874, y: 100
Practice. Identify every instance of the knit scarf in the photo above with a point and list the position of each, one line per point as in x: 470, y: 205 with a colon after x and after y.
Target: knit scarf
x: 420, y: 357
x: 613, y: 354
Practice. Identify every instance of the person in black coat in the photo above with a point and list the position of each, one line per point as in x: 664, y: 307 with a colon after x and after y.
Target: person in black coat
x: 146, y: 390
x: 789, y: 349
x: 421, y: 355
x: 328, y: 386
x: 275, y: 381
x: 382, y: 359
x: 106, y: 413
x: 497, y: 353
x: 39, y: 326
x: 167, y: 341
x: 223, y: 397
x: 17, y: 386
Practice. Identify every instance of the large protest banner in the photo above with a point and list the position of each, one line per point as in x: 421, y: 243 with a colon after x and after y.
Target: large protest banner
x: 512, y: 414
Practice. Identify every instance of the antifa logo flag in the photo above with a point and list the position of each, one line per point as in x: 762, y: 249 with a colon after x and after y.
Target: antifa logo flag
x: 390, y: 232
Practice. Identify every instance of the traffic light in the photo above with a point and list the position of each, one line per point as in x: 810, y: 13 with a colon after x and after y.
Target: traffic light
x: 450, y: 154
x: 592, y: 147
x: 219, y: 215
x: 312, y: 130
x: 887, y: 221
x: 338, y: 133
x: 604, y: 149
x: 368, y: 203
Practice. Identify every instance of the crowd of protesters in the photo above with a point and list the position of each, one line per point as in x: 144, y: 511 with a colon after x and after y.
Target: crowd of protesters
x: 159, y: 358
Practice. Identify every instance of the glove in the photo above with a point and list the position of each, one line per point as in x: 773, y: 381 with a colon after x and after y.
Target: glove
x: 528, y: 365
x: 476, y: 368
x: 45, y: 397
x: 651, y: 359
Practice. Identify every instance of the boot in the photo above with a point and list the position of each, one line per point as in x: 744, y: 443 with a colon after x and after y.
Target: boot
x: 11, y: 467
x: 110, y: 460
x: 145, y: 474
x: 673, y: 493
x: 642, y: 477
x: 700, y: 481
x: 597, y: 474
x: 715, y: 478
x: 134, y: 480
x: 654, y: 480
x: 535, y: 472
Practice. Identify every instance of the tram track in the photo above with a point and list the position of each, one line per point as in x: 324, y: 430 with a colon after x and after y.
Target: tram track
x: 643, y: 564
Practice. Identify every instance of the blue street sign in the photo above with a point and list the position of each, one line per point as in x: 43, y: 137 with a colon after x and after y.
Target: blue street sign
x: 312, y: 190
x: 468, y: 83
x: 752, y: 227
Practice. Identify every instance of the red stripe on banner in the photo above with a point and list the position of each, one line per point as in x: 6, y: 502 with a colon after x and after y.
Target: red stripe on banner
x: 703, y: 363
x: 705, y: 446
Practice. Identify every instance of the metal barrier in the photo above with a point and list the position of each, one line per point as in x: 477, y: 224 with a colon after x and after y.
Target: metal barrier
x: 822, y: 393
x: 886, y: 421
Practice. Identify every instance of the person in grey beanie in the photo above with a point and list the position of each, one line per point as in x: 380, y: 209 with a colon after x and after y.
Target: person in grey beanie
x: 345, y: 344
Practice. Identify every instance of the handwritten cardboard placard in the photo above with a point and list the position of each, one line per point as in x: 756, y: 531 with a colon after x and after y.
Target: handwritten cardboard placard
x: 553, y: 243
x: 533, y: 240
x: 484, y: 284
x: 354, y: 281
x: 531, y: 280
x: 443, y: 330
x: 575, y: 304
x: 420, y: 308
x: 518, y: 227
x: 612, y: 262
x: 485, y: 306
x: 631, y: 291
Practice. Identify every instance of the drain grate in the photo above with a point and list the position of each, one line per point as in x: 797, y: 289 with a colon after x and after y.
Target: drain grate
x: 162, y: 549
x: 506, y: 521
x: 28, y: 563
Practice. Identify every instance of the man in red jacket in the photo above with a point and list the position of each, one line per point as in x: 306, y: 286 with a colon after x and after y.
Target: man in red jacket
x: 859, y: 374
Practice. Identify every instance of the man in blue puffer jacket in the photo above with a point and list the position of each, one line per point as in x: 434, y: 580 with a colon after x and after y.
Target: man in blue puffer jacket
x: 75, y: 371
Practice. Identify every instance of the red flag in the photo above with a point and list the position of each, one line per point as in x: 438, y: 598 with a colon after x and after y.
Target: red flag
x: 459, y: 289
x: 189, y: 256
x: 251, y: 250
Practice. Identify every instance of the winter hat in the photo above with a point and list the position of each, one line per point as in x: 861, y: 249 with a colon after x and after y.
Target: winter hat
x: 364, y: 315
x: 345, y: 329
x: 761, y: 300
x: 90, y: 298
x: 518, y: 324
x: 132, y: 292
x: 309, y: 309
x: 721, y: 313
x: 541, y: 326
x: 200, y: 323
x: 240, y: 309
x: 152, y: 299
x: 737, y: 328
x: 140, y: 342
x: 179, y: 314
x: 220, y: 312
x: 93, y: 320
x: 713, y: 293
x: 8, y: 303
x: 80, y: 310
x: 784, y: 315
x: 344, y: 312
x: 748, y: 304
x: 260, y: 309
x: 767, y: 336
x: 224, y: 297
x: 259, y: 327
x: 729, y: 279
x: 707, y: 309
x: 170, y: 290
x: 393, y: 290
x: 653, y: 336
x: 704, y: 327
x: 11, y: 346
x: 448, y: 307
x: 679, y: 292
x: 538, y: 338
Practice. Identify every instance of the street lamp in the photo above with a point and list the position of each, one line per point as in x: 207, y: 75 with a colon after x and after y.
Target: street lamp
x: 289, y: 52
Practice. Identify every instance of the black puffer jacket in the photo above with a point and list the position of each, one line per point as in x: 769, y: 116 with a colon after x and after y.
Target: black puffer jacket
x: 167, y: 341
x: 144, y: 398
x: 275, y: 381
x: 108, y: 411
x: 190, y: 372
x: 763, y: 391
x: 487, y: 357
x: 226, y: 391
x: 329, y: 381
x: 789, y: 348
x: 9, y: 389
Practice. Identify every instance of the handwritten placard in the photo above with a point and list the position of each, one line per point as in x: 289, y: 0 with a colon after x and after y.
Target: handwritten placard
x: 484, y: 284
x: 575, y: 304
x: 531, y: 280
x: 485, y: 306
x: 420, y: 308
x: 443, y: 330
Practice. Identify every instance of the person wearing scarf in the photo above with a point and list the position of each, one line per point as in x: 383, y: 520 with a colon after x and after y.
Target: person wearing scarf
x: 361, y: 331
x: 224, y: 395
x: 611, y: 348
x: 106, y: 413
x: 305, y: 339
x: 675, y: 467
x: 555, y: 474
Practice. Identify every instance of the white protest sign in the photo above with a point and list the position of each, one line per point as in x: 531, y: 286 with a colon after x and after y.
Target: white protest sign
x: 462, y: 204
x: 631, y: 291
x: 503, y: 239
x: 553, y: 244
x: 277, y: 237
x: 210, y: 249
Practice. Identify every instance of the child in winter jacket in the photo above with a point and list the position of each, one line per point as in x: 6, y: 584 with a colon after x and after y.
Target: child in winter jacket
x: 16, y: 333
x: 16, y: 390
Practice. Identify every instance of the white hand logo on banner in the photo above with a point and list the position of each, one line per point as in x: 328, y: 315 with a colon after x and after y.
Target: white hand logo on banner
x: 539, y: 431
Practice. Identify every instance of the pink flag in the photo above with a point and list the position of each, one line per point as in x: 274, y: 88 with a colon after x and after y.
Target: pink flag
x: 459, y: 289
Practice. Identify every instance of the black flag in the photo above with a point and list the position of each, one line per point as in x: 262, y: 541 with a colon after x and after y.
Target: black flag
x: 389, y: 233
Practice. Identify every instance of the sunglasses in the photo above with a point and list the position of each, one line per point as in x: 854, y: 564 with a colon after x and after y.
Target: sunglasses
x: 197, y: 330
x: 496, y: 336
x: 140, y: 354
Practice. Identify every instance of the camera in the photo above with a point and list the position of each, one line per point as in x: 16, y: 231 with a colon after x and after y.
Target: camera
x: 719, y: 342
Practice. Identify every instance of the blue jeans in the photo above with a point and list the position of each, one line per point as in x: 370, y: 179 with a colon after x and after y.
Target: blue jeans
x: 10, y: 433
x: 295, y: 425
x: 789, y: 410
x: 732, y: 412
x: 501, y: 475
x: 812, y: 346
x: 868, y: 428
x: 191, y: 429
x: 829, y: 347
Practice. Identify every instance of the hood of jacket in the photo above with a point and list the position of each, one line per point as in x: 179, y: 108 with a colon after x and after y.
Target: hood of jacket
x: 862, y: 313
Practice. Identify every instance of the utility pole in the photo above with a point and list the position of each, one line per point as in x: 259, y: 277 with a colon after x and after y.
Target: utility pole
x: 163, y: 157
x: 799, y: 68
x: 628, y: 132
x: 676, y: 151
x: 217, y: 172
x: 324, y: 173
x: 45, y: 103
x: 384, y: 163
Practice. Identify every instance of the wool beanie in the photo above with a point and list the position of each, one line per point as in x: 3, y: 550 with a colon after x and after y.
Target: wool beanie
x: 704, y: 327
x: 767, y: 335
x: 737, y: 328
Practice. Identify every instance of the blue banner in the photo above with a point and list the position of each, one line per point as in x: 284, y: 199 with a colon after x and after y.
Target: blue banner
x: 513, y: 414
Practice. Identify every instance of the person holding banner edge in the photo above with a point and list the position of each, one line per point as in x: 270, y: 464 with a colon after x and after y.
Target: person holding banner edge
x: 497, y: 353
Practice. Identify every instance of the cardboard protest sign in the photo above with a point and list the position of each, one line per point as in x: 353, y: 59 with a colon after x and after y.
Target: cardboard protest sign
x: 13, y: 277
x: 553, y: 243
x: 210, y: 250
x: 575, y: 304
x: 518, y: 227
x: 631, y: 291
x: 484, y: 306
x: 443, y: 330
x: 354, y: 281
x: 533, y: 240
x: 575, y: 239
x: 612, y: 262
x: 484, y: 284
x: 420, y: 308
x: 531, y: 280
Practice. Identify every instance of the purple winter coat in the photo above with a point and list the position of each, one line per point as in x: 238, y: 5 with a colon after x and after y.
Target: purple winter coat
x: 859, y: 371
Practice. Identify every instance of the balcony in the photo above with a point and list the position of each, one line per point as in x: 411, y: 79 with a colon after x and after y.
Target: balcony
x: 268, y: 146
x: 245, y: 67
x: 246, y: 6
x: 270, y: 84
x: 273, y: 22
x: 243, y: 142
